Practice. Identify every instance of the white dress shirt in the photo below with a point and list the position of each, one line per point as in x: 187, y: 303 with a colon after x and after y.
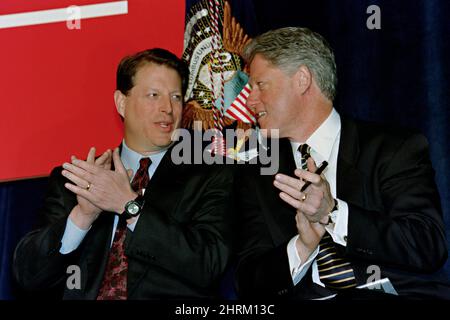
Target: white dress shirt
x: 73, y: 235
x: 324, y: 143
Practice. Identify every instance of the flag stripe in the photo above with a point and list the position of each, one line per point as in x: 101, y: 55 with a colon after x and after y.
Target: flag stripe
x: 243, y: 108
x: 244, y: 114
x: 246, y: 90
x: 240, y: 100
x: 238, y: 115
x: 239, y: 109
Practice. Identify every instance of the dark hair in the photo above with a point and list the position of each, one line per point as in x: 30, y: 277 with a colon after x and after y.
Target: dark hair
x: 129, y: 66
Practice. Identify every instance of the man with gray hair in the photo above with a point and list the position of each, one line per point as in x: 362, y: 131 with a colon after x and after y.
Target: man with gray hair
x: 352, y: 202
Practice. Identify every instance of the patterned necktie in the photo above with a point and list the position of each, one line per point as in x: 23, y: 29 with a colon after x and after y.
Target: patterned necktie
x: 141, y: 178
x: 334, y: 271
x: 114, y: 285
x: 305, y: 152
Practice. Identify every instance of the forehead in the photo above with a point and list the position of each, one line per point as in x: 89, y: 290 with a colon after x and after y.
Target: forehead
x: 259, y: 64
x: 263, y: 69
x: 157, y: 74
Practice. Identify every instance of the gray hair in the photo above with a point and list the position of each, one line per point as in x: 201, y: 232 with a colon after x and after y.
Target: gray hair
x: 289, y: 48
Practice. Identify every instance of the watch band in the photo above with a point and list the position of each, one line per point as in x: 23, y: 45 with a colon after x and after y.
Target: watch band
x: 330, y: 220
x: 125, y: 215
x: 139, y: 201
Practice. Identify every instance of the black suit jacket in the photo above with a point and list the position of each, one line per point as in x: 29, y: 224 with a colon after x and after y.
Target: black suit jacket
x: 395, y: 219
x: 179, y: 248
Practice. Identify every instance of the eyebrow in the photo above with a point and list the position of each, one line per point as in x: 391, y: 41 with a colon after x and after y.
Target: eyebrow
x: 172, y: 91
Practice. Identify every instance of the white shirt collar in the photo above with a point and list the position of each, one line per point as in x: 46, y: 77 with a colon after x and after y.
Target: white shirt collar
x: 131, y: 158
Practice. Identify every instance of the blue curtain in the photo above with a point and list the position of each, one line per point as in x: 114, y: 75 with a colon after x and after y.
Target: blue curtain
x: 19, y: 206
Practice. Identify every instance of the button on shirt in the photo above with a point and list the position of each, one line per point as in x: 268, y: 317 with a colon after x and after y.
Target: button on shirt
x: 73, y: 235
x: 324, y: 143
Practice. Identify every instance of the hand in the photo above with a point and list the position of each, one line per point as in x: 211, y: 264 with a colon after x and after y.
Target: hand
x: 109, y: 190
x: 315, y: 202
x: 84, y: 213
x: 309, y: 236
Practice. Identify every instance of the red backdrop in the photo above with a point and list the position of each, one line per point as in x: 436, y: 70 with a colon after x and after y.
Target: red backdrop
x: 57, y: 85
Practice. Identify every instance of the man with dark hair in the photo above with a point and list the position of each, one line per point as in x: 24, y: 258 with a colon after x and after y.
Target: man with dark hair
x: 373, y: 213
x: 165, y: 235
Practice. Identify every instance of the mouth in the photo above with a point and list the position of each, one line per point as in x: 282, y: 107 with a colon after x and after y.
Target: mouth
x: 165, y: 126
x: 260, y: 114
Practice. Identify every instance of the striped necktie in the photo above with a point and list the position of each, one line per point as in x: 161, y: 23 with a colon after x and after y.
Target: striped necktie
x: 335, y: 272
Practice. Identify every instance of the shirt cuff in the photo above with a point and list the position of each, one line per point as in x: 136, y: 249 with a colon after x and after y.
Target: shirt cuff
x: 72, y: 237
x: 131, y: 226
x: 339, y: 230
x: 297, y: 270
x: 294, y: 259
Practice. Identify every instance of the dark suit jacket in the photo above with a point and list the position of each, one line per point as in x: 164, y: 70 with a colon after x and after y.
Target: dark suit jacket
x: 179, y: 248
x: 395, y: 219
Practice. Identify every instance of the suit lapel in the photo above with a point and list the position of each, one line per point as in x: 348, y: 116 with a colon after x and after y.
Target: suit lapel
x: 167, y: 180
x: 350, y: 184
x: 280, y: 215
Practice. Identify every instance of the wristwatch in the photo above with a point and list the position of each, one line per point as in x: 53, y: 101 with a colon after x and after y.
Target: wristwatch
x: 332, y: 215
x: 133, y: 207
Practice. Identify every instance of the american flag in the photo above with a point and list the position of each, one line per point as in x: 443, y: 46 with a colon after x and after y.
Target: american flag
x: 239, y: 110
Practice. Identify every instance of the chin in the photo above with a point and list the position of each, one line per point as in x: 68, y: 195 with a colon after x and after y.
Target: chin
x: 162, y: 143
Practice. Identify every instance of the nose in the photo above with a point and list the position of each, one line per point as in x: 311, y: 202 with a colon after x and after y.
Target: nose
x: 166, y: 105
x: 253, y: 98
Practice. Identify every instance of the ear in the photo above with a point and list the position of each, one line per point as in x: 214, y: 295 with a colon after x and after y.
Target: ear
x: 119, y: 100
x: 303, y: 78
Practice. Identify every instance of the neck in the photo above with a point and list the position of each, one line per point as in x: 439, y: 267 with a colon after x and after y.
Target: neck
x: 310, y: 119
x: 145, y: 151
